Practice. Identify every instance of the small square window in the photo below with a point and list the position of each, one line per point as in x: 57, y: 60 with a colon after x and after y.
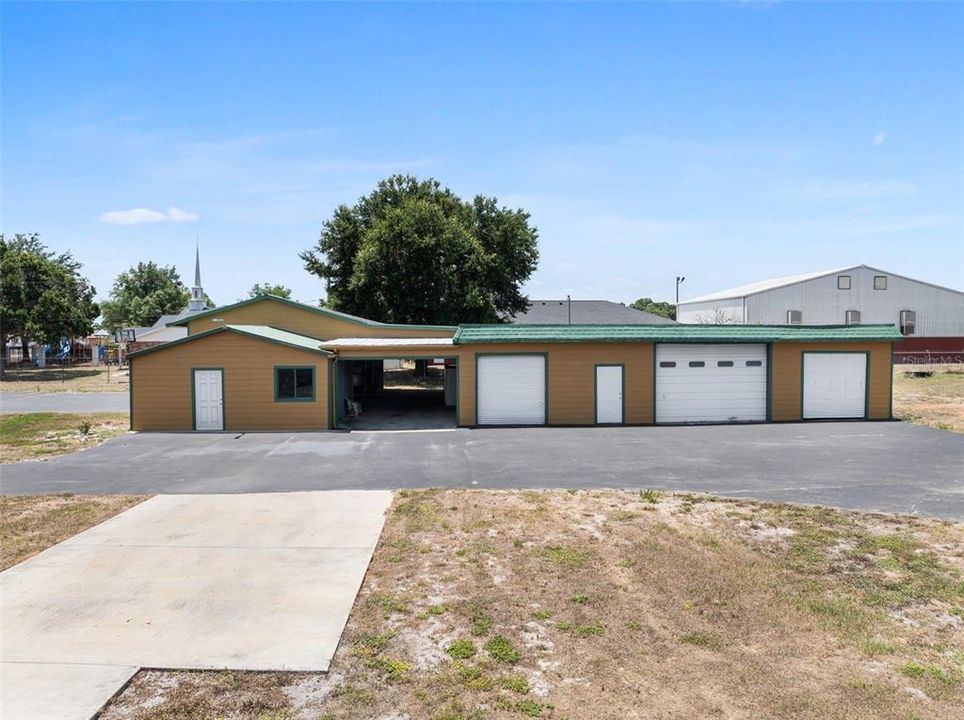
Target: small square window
x: 852, y: 317
x: 794, y: 317
x: 294, y: 383
x: 908, y: 322
x: 843, y: 282
x: 880, y: 282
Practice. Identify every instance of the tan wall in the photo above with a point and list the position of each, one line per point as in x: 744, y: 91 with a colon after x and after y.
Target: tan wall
x: 304, y: 322
x: 787, y: 378
x: 161, y: 385
x: 572, y: 379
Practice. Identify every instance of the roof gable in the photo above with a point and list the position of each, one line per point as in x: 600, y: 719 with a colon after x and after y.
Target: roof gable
x: 780, y: 282
x: 327, y: 312
x: 258, y: 332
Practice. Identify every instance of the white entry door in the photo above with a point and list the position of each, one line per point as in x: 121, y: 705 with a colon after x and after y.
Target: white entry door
x: 609, y: 394
x: 711, y: 383
x: 511, y: 390
x: 834, y: 385
x: 208, y: 400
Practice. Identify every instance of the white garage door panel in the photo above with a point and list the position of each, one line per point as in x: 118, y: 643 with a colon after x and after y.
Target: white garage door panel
x: 711, y: 393
x: 834, y: 385
x: 511, y: 390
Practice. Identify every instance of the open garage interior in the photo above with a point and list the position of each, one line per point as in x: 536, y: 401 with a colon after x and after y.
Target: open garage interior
x: 394, y: 393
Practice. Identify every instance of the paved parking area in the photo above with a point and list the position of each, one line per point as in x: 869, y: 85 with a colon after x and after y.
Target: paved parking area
x: 67, y: 402
x: 247, y: 582
x: 889, y: 466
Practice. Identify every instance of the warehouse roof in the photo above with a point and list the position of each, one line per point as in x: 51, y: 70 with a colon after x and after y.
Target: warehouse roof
x: 260, y: 332
x: 585, y: 312
x: 468, y: 334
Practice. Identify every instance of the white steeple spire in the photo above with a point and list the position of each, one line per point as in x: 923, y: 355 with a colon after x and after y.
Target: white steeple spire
x: 196, y: 303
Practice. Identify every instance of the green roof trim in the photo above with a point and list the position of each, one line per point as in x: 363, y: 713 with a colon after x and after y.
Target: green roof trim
x: 259, y: 332
x: 482, y: 334
x: 311, y: 308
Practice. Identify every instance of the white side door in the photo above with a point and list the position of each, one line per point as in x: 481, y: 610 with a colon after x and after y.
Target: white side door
x: 511, y: 390
x: 609, y: 394
x: 834, y: 385
x: 711, y: 383
x: 208, y: 400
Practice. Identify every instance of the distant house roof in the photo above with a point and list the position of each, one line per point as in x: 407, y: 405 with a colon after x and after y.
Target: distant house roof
x: 675, y: 333
x: 386, y: 342
x: 764, y: 285
x: 165, y: 320
x: 585, y: 312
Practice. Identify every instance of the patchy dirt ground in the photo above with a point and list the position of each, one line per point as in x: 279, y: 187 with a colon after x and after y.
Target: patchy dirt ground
x: 31, y: 523
x: 937, y: 401
x: 72, y: 379
x: 619, y: 604
x: 34, y: 436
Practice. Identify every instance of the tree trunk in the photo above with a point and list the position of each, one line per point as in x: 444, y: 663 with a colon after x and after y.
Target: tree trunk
x: 24, y: 348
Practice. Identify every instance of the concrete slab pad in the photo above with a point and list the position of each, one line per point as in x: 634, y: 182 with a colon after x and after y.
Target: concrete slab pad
x: 247, y: 582
x: 41, y: 691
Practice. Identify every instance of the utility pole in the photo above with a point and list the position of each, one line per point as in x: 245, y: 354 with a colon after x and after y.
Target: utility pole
x: 569, y: 307
x: 679, y: 280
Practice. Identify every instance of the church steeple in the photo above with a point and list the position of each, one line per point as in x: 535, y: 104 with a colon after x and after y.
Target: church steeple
x: 196, y: 303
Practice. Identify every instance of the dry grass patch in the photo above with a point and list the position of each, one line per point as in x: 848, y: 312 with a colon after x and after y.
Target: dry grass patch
x: 937, y: 401
x: 31, y: 523
x: 33, y: 436
x: 71, y: 379
x: 560, y: 605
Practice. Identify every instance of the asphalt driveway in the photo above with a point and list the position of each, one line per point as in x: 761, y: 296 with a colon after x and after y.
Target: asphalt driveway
x: 888, y: 466
x: 67, y: 402
x: 246, y: 582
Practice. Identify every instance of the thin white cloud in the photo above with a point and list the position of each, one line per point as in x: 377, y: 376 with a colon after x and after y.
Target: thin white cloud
x: 879, y: 138
x: 145, y: 216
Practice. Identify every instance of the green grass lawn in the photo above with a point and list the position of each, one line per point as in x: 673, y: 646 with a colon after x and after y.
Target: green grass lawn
x: 38, y: 435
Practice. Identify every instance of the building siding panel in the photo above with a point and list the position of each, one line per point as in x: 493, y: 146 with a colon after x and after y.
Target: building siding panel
x: 571, y: 379
x: 305, y: 322
x: 161, y: 391
x: 786, y: 395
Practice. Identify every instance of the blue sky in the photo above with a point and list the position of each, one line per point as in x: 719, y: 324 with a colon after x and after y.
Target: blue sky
x: 728, y: 142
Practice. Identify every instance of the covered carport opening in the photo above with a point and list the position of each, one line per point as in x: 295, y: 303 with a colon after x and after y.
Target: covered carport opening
x: 390, y: 386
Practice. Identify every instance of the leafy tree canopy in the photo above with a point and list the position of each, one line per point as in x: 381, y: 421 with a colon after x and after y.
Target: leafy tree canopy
x: 414, y: 252
x: 142, y: 294
x: 43, y: 296
x: 663, y: 309
x: 269, y: 289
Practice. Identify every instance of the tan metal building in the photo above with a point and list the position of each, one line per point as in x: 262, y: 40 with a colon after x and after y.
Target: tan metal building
x: 272, y: 364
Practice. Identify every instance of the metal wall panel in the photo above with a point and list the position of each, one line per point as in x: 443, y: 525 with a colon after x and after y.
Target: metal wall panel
x: 940, y: 312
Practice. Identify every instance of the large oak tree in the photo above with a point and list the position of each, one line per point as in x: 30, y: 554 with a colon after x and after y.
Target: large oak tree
x: 414, y: 252
x: 142, y: 294
x: 43, y: 296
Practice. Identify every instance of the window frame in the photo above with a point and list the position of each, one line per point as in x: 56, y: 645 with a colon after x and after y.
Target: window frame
x: 790, y: 320
x: 848, y: 279
x: 902, y: 323
x: 880, y: 277
x: 847, y: 320
x: 294, y: 368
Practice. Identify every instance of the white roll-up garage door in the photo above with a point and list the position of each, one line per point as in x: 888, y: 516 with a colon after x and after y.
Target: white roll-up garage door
x: 834, y: 385
x: 711, y: 383
x: 511, y: 390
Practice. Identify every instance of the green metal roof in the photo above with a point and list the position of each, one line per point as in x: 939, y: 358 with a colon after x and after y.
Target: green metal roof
x: 260, y: 332
x: 328, y: 312
x: 472, y: 334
